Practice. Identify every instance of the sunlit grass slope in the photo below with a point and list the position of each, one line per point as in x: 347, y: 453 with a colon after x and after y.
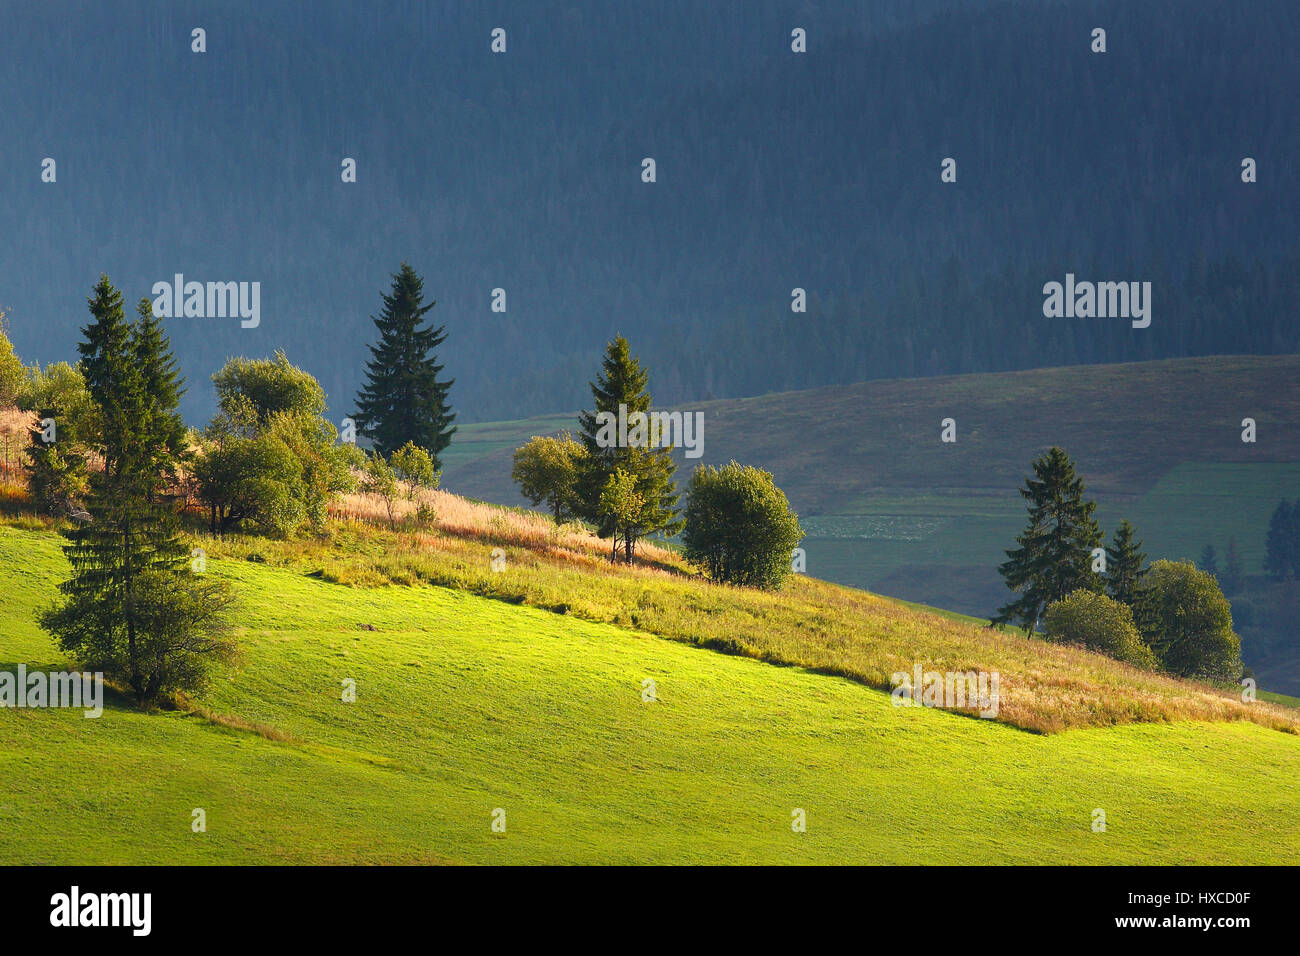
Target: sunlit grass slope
x: 467, y: 704
x: 809, y: 623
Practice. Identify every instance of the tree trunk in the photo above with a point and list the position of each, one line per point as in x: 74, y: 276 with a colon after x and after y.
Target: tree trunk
x: 136, y: 683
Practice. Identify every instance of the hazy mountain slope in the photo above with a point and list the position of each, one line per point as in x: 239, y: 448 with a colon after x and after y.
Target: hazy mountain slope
x: 522, y: 171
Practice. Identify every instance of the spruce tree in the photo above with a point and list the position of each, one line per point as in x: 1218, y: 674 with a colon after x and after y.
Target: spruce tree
x: 56, y: 470
x: 108, y: 365
x: 623, y: 382
x: 1230, y: 579
x: 1054, y: 557
x: 1124, y: 565
x: 162, y: 383
x: 131, y: 534
x: 1280, y: 546
x: 403, y: 399
x: 1209, y: 562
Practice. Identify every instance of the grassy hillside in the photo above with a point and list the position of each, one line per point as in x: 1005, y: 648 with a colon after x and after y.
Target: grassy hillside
x: 467, y: 704
x: 810, y: 623
x: 890, y: 508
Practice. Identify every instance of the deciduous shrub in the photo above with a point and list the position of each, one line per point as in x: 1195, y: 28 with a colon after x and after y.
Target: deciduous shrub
x: 739, y: 526
x: 547, y: 469
x: 12, y: 372
x: 1098, y: 623
x: 414, y: 465
x: 1184, y: 617
x: 269, y: 456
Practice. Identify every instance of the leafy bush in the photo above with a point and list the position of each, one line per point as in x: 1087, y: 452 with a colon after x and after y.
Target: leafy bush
x: 425, y: 515
x: 324, y: 468
x: 261, y: 388
x: 1184, y: 617
x: 12, y: 372
x: 739, y: 526
x: 380, y: 480
x: 547, y: 469
x: 57, y: 473
x: 268, y: 455
x: 414, y: 465
x: 255, y: 479
x: 1098, y: 623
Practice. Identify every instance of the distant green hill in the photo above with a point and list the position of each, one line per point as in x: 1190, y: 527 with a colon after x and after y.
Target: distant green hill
x: 890, y: 508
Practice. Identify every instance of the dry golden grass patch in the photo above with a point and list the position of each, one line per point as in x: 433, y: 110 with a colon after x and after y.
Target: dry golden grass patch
x: 231, y: 722
x: 15, y: 429
x: 464, y: 518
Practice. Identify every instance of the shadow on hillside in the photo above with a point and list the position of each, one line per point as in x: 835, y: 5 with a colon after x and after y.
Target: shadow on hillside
x: 114, y: 697
x: 639, y: 562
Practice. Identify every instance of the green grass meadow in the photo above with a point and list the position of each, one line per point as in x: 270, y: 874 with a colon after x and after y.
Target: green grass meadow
x: 467, y: 704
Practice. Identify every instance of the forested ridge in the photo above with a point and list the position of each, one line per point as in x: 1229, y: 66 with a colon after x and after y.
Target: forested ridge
x: 522, y: 171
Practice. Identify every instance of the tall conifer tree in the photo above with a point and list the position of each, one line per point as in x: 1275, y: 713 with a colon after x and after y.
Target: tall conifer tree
x: 1124, y: 564
x: 1233, y: 572
x: 163, y: 387
x: 403, y: 399
x: 623, y: 381
x: 1280, y: 557
x: 1054, y: 556
x: 131, y: 533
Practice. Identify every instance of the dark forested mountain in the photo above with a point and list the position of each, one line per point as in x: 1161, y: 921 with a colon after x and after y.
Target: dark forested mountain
x: 775, y: 170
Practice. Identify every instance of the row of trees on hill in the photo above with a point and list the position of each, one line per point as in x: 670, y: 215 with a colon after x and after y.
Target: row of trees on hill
x: 1171, y: 615
x: 737, y: 525
x: 1281, y: 551
x: 269, y: 456
x: 110, y: 451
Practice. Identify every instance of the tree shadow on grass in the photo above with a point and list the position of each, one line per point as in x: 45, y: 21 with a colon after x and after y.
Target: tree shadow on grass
x: 114, y: 696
